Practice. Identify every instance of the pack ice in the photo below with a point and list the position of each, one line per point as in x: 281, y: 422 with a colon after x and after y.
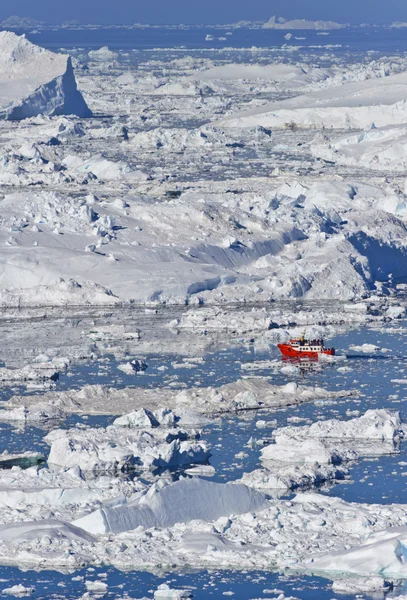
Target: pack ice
x: 35, y: 81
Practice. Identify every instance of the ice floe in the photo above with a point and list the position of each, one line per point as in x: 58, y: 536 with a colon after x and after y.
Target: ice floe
x: 311, y: 455
x: 114, y: 449
x: 188, y: 406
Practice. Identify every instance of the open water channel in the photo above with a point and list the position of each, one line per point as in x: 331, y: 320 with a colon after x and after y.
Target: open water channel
x: 380, y: 378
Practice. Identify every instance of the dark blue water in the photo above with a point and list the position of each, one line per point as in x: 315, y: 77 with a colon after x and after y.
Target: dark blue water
x: 349, y: 40
x: 244, y: 585
x: 373, y: 376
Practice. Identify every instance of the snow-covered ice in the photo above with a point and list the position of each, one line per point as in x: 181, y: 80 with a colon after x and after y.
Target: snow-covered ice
x: 209, y: 182
x: 114, y: 449
x: 170, y: 405
x: 310, y: 455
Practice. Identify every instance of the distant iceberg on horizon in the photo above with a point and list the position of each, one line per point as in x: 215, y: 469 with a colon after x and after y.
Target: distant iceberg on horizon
x: 281, y: 23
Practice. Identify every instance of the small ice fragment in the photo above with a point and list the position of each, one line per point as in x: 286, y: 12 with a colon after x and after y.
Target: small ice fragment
x: 19, y: 590
x: 202, y: 470
x: 99, y: 587
x: 164, y: 592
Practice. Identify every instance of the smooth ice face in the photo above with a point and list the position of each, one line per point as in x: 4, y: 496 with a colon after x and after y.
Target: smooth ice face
x: 35, y: 81
x: 168, y: 503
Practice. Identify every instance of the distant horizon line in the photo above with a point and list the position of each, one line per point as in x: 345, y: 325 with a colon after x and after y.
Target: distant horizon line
x: 30, y: 23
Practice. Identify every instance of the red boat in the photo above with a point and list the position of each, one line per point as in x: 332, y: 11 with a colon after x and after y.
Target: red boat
x: 303, y: 348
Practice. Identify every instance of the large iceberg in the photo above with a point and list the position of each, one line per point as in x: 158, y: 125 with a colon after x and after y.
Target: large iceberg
x: 168, y: 503
x: 35, y: 81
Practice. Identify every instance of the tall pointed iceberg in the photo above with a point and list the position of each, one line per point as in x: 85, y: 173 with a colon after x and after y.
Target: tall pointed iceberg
x: 35, y: 81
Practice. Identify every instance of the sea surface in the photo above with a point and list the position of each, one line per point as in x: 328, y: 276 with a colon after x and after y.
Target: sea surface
x: 140, y: 44
x: 360, y: 39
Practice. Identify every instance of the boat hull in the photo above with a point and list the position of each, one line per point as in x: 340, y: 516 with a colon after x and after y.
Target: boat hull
x: 290, y: 352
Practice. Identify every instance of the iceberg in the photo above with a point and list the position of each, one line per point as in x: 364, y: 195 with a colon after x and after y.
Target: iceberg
x: 35, y: 81
x: 168, y: 503
x: 281, y: 23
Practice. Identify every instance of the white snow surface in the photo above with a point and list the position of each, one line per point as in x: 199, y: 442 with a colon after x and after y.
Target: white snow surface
x: 330, y: 535
x: 116, y: 206
x: 353, y: 105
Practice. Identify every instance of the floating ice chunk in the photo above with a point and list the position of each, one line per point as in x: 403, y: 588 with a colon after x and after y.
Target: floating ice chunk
x: 375, y: 433
x: 201, y: 470
x: 276, y: 478
x: 35, y: 372
x: 302, y: 24
x: 396, y: 312
x: 103, y: 54
x: 366, y: 348
x: 113, y: 332
x: 381, y: 553
x: 43, y: 411
x: 290, y: 370
x: 23, y: 460
x: 116, y: 449
x: 300, y: 451
x: 138, y: 419
x: 133, y: 366
x: 252, y: 393
x: 146, y: 418
x: 18, y: 590
x: 97, y: 587
x: 363, y: 585
x: 164, y: 592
